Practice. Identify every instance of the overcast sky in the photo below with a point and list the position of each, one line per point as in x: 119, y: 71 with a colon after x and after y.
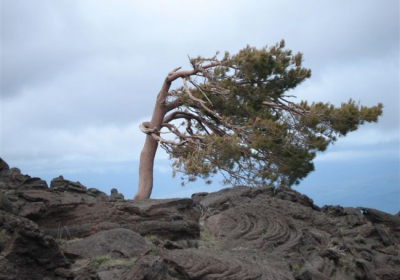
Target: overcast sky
x: 78, y: 77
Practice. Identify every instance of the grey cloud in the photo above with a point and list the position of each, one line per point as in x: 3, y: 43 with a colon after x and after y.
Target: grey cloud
x: 70, y: 65
x: 37, y: 45
x: 342, y: 32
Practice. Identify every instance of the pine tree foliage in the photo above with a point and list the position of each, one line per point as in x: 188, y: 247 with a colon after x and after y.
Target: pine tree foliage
x: 236, y: 115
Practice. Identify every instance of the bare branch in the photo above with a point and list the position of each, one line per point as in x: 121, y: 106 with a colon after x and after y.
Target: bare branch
x: 187, y: 73
x: 199, y: 88
x: 174, y: 70
x: 184, y: 115
x: 176, y: 131
x: 203, y: 127
x: 189, y: 126
x: 291, y: 107
x: 164, y: 141
x: 199, y: 101
x: 173, y: 105
x: 144, y: 127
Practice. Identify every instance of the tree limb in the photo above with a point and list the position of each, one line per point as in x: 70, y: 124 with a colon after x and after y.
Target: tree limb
x: 169, y: 142
x: 173, y: 105
x: 144, y: 127
x: 183, y: 115
x: 176, y: 131
x: 186, y: 73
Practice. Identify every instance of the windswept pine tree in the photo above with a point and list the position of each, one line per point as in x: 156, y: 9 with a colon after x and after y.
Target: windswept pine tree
x: 236, y: 115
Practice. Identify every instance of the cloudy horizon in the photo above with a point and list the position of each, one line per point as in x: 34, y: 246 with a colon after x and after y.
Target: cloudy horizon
x: 78, y: 77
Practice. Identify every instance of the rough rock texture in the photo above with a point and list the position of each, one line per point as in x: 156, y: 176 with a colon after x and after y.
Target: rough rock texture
x: 118, y: 242
x: 11, y: 178
x: 172, y: 219
x: 68, y: 231
x: 115, y: 196
x: 25, y: 252
x: 5, y: 203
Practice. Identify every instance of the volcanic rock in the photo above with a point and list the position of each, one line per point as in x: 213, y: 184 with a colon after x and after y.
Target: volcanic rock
x: 115, y: 196
x: 121, y: 242
x: 69, y: 231
x: 12, y: 178
x: 60, y: 184
x: 3, y: 166
x: 5, y: 203
x: 25, y: 251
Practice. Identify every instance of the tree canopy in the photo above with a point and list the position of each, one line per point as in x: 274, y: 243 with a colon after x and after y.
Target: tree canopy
x: 236, y: 114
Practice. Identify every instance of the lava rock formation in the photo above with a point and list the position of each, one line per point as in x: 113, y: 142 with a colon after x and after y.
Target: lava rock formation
x: 67, y: 231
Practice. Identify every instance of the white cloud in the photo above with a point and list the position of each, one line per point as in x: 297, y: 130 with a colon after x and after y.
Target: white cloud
x: 103, y: 143
x: 369, y: 82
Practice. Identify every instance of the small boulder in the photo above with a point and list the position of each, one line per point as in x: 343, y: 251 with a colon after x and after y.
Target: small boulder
x: 60, y: 184
x: 149, y: 267
x: 289, y: 194
x: 5, y: 203
x: 115, y: 196
x: 26, y: 252
x: 120, y: 241
x: 34, y: 183
x: 14, y: 171
x: 3, y: 166
x: 377, y: 216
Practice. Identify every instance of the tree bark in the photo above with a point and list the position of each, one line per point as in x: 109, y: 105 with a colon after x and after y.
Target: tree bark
x: 146, y: 164
x: 146, y: 167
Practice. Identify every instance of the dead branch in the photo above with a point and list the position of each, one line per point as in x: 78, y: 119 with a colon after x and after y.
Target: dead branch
x: 144, y: 127
x: 169, y: 142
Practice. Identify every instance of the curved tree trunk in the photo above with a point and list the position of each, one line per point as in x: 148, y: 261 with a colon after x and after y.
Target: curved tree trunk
x: 146, y: 167
x: 146, y: 164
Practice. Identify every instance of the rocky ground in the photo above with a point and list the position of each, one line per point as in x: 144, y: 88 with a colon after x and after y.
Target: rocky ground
x: 67, y: 231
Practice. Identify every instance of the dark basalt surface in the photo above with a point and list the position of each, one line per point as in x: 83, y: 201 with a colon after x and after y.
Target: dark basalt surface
x: 67, y: 231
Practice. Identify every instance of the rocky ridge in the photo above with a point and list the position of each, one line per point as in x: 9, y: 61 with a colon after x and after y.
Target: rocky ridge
x: 67, y: 231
